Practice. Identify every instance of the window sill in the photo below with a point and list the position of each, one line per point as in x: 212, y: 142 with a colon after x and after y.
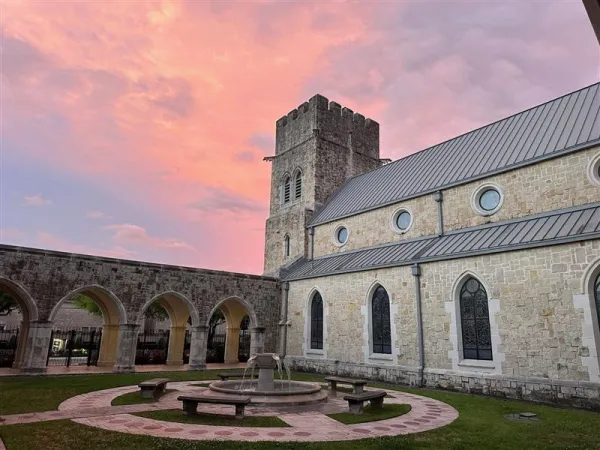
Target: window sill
x: 477, y: 364
x: 314, y: 352
x: 380, y: 357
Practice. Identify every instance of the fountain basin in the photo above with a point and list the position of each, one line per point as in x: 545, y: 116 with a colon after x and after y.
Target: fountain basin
x: 284, y: 393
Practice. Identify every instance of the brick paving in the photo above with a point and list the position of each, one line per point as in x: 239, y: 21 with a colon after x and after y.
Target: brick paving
x: 306, y: 423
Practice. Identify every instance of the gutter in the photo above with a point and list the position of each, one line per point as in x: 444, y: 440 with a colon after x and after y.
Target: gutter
x: 416, y: 271
x: 439, y: 198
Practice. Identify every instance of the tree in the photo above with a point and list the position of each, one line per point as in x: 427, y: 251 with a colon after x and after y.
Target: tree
x: 7, y: 304
x: 154, y: 311
x: 216, y: 319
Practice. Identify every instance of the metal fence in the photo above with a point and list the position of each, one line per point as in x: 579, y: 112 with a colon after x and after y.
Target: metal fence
x: 74, y: 347
x: 9, y: 339
x: 152, y: 347
x: 244, y: 348
x: 187, y: 344
x: 215, y: 351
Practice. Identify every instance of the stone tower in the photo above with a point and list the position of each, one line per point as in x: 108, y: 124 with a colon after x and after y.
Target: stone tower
x: 318, y: 147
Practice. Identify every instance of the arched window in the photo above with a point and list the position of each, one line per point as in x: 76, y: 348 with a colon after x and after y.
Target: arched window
x: 286, y: 189
x: 597, y: 296
x: 316, y: 322
x: 475, y: 321
x: 380, y: 322
x: 298, y: 185
x: 286, y: 245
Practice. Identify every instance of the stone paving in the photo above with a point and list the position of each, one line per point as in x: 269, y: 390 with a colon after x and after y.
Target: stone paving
x: 306, y: 423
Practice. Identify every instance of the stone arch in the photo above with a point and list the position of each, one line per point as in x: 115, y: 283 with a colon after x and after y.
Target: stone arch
x: 29, y: 313
x: 590, y: 323
x: 370, y: 356
x: 179, y: 308
x: 456, y: 334
x: 234, y: 309
x: 113, y: 313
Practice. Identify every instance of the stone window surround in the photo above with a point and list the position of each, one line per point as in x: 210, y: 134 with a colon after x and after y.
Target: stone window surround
x: 478, y: 192
x: 394, y: 218
x: 297, y: 173
x: 592, y: 170
x: 334, y: 238
x: 287, y: 245
x: 286, y: 178
x: 456, y: 354
x: 590, y: 327
x: 378, y: 358
x: 313, y: 352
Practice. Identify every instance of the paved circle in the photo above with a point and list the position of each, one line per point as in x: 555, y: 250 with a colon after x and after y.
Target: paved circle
x: 304, y: 424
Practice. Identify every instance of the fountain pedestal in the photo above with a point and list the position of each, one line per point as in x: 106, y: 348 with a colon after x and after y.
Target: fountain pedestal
x: 266, y: 365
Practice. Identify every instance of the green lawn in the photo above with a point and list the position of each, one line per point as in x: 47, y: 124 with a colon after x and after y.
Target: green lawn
x: 134, y: 398
x: 481, y: 424
x: 370, y: 415
x: 177, y: 415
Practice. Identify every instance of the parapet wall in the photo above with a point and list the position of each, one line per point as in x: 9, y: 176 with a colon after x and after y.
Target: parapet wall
x: 334, y: 123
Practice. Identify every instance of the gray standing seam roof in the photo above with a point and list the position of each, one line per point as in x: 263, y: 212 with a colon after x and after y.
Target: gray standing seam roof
x: 550, y: 228
x: 562, y: 125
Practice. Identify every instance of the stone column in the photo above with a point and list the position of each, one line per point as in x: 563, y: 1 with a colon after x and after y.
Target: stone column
x: 232, y: 345
x: 21, y: 344
x: 176, y: 343
x: 38, y: 343
x: 283, y: 322
x: 108, y: 346
x: 257, y: 340
x: 127, y: 346
x: 198, y: 347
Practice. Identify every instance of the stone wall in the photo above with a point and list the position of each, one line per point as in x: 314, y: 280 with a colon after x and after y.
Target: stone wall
x: 540, y: 324
x: 49, y: 276
x: 546, y: 186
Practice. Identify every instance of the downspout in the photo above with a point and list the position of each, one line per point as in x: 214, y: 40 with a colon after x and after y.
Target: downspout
x: 283, y: 323
x: 438, y: 197
x: 416, y: 271
x: 311, y: 243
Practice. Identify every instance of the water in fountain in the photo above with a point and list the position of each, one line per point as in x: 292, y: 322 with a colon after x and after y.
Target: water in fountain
x: 278, y: 362
x: 251, y: 363
x: 289, y: 375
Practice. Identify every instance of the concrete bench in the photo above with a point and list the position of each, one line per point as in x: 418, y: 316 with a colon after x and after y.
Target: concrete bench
x: 227, y: 376
x: 357, y: 385
x: 153, y: 388
x: 190, y: 403
x: 355, y: 401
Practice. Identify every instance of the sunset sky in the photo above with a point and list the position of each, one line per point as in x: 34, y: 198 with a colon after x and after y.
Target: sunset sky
x: 136, y: 129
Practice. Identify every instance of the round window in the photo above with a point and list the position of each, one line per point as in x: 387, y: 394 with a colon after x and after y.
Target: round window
x: 342, y: 235
x: 489, y: 199
x: 403, y: 220
x: 594, y: 170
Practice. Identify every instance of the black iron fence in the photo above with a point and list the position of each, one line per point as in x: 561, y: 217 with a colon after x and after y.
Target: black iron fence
x: 244, y: 348
x: 9, y: 339
x: 152, y: 347
x: 215, y: 351
x: 74, y: 347
x: 187, y: 344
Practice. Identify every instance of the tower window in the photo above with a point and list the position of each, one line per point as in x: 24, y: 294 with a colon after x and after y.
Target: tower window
x: 287, y: 190
x: 298, y: 185
x: 286, y: 246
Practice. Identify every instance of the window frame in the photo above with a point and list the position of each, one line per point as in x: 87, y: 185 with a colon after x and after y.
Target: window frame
x: 336, y: 232
x: 311, y: 324
x: 286, y: 192
x: 593, y: 170
x: 298, y: 185
x: 478, y: 193
x: 382, y: 320
x: 394, y: 220
x: 476, y: 320
x: 287, y: 246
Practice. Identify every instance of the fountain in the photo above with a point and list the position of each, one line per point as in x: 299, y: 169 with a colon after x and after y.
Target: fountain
x: 269, y: 391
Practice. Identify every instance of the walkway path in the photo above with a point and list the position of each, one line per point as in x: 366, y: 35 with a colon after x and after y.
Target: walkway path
x: 306, y: 423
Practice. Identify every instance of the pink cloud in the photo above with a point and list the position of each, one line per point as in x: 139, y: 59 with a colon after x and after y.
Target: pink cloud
x: 10, y: 233
x: 96, y: 215
x: 134, y: 234
x: 36, y: 200
x: 48, y: 240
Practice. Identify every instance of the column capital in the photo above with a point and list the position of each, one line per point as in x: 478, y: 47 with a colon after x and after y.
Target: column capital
x: 199, y: 328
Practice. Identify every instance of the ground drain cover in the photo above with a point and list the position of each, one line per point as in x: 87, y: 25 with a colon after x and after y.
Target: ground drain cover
x: 523, y: 417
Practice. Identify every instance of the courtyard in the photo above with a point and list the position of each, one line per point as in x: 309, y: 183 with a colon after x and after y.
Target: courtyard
x: 105, y: 411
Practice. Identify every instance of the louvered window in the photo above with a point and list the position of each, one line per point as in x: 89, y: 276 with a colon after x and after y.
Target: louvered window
x: 286, y: 190
x: 298, y: 183
x: 381, y: 328
x: 475, y: 321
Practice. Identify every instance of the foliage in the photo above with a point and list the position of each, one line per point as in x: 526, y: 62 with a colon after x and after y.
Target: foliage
x: 217, y: 319
x: 7, y: 304
x: 154, y: 311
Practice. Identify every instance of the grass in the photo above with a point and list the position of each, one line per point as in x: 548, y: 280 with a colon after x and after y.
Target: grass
x: 481, y: 424
x: 177, y: 415
x: 134, y: 398
x: 371, y: 415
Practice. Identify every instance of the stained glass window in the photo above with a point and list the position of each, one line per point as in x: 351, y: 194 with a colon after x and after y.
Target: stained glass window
x: 286, y: 190
x: 475, y: 321
x: 316, y: 322
x: 298, y: 182
x: 380, y: 314
x: 597, y: 296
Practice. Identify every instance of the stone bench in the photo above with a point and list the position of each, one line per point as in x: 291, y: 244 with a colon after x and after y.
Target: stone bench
x: 355, y: 401
x: 153, y: 388
x: 227, y: 376
x: 190, y: 403
x: 357, y: 385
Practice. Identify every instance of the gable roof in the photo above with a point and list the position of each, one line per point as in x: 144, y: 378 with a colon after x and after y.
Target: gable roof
x: 562, y: 125
x: 551, y: 228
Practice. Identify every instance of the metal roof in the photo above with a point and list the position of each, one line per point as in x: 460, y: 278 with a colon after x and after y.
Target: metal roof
x: 562, y: 125
x: 551, y: 228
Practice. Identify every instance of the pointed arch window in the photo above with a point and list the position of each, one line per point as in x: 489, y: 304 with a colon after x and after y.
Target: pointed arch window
x: 380, y: 322
x: 298, y: 185
x: 287, y: 190
x: 286, y: 245
x: 597, y: 296
x: 475, y: 321
x: 316, y: 322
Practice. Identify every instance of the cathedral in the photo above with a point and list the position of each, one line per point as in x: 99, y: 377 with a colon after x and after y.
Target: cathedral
x: 471, y: 265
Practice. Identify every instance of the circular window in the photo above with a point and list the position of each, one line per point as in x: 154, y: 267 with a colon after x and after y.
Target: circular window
x: 487, y: 199
x: 594, y: 170
x: 340, y: 236
x: 402, y: 220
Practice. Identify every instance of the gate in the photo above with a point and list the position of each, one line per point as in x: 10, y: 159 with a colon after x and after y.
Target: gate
x: 244, y: 346
x: 187, y: 344
x: 74, y: 347
x: 152, y: 347
x: 9, y: 339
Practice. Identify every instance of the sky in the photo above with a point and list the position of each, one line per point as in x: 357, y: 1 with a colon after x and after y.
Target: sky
x: 136, y: 129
